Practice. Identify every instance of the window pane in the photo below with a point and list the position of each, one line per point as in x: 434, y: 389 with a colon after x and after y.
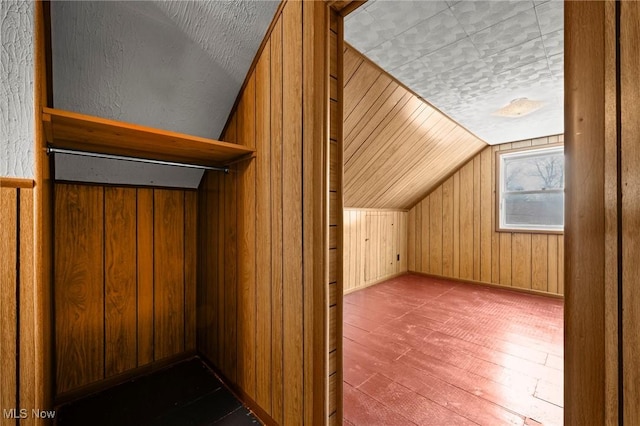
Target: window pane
x: 533, y: 173
x: 534, y: 209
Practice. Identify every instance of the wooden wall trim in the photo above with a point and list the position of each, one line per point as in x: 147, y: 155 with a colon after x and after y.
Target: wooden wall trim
x: 492, y: 285
x: 629, y: 104
x: 374, y: 282
x: 43, y: 218
x: 586, y: 70
x: 10, y: 182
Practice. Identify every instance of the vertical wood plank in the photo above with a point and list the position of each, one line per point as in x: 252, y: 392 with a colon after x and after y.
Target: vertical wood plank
x: 456, y: 225
x: 246, y: 323
x: 485, y: 212
x: 292, y: 210
x: 539, y: 262
x: 120, y: 303
x: 27, y: 379
x: 476, y: 217
x: 495, y: 236
x: 552, y: 264
x: 418, y: 254
x: 411, y: 240
x: 190, y: 267
x: 435, y: 231
x: 144, y: 255
x: 466, y: 221
x: 168, y: 272
x: 79, y: 285
x: 426, y: 235
x: 263, y: 228
x: 505, y: 258
x: 8, y: 302
x: 521, y: 261
x: 276, y: 125
x: 447, y: 228
x: 561, y: 263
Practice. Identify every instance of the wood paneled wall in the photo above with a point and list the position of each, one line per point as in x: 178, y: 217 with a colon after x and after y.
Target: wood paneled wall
x: 452, y: 232
x: 264, y: 229
x: 397, y: 147
x: 124, y: 280
x: 375, y: 246
x: 18, y: 300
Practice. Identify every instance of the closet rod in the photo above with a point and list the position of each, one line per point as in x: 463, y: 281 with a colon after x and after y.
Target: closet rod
x: 52, y: 150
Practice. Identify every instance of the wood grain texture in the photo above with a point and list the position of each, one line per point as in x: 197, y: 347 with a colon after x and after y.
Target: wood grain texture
x: 585, y: 212
x: 71, y: 130
x: 79, y: 286
x: 8, y: 296
x: 263, y: 228
x: 398, y: 148
x: 292, y: 210
x: 28, y: 332
x: 630, y: 97
x: 139, y: 305
x: 461, y: 241
x: 277, y: 223
x: 246, y: 223
x: 120, y: 304
x: 190, y: 268
x: 168, y: 272
x: 381, y: 236
x: 270, y: 210
x: 144, y: 254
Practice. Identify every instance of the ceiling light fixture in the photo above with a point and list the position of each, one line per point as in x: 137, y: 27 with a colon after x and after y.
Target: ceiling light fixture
x: 519, y: 108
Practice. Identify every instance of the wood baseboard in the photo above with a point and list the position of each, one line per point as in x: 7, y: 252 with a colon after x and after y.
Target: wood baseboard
x: 96, y: 387
x: 378, y: 281
x: 486, y: 284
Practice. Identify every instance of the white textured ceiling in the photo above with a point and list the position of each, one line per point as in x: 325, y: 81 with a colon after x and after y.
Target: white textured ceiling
x: 471, y: 58
x: 175, y: 65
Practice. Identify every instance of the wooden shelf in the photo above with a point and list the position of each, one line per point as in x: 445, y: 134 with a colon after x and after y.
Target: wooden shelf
x: 71, y: 130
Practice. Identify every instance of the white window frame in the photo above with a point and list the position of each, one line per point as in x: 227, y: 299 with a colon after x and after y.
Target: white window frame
x: 501, y: 157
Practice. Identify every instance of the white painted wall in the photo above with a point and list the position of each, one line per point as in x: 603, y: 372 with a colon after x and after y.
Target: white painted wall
x: 16, y: 89
x: 175, y: 65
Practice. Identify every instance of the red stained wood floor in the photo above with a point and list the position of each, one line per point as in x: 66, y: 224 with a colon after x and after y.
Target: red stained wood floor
x: 427, y: 351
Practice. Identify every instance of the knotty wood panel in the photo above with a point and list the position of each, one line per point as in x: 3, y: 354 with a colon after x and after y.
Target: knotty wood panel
x: 461, y: 241
x: 397, y: 146
x: 373, y: 240
x: 124, y: 288
x: 264, y: 283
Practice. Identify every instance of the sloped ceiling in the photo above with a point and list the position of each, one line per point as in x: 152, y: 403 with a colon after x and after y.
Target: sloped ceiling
x: 174, y: 65
x: 471, y: 58
x: 397, y: 147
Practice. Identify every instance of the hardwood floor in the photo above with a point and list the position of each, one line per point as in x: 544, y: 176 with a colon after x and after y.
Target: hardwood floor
x: 428, y: 351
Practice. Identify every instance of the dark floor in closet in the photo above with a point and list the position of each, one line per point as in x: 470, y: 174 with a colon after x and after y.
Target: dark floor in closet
x: 184, y: 394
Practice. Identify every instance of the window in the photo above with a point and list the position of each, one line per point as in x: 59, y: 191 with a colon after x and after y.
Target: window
x: 531, y: 189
